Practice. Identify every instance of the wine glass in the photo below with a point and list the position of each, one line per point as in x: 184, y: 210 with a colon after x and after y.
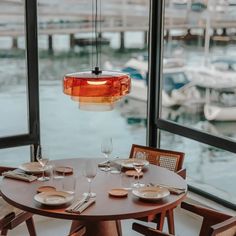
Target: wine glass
x: 42, y: 158
x: 138, y: 164
x: 106, y: 149
x: 90, y: 171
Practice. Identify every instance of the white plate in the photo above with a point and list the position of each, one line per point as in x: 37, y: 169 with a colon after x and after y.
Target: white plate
x: 32, y: 167
x: 53, y: 198
x: 151, y: 193
x: 128, y: 163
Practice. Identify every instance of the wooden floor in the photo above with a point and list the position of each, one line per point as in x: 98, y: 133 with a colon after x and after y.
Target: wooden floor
x: 185, y: 225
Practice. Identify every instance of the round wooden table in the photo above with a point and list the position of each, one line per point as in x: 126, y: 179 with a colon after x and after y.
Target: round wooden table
x: 106, y: 210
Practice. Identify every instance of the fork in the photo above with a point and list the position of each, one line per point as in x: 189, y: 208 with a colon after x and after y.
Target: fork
x: 85, y: 200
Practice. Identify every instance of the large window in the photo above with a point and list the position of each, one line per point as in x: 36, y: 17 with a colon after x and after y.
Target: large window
x: 66, y: 45
x: 18, y: 80
x: 192, y: 91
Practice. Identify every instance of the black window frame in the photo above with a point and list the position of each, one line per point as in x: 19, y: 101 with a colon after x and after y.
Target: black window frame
x: 155, y: 123
x: 33, y: 136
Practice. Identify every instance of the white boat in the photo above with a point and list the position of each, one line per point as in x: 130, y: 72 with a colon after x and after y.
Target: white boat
x: 177, y: 88
x: 219, y: 113
x: 220, y: 105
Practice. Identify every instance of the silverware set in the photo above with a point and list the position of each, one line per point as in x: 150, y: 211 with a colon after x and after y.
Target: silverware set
x: 75, y: 206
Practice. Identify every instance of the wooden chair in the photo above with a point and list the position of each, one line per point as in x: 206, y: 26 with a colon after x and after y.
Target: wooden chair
x: 214, y: 223
x: 170, y: 160
x: 11, y: 217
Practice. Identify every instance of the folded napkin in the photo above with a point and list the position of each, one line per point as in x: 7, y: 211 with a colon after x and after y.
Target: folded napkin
x: 173, y: 190
x: 15, y: 174
x: 104, y: 164
x: 79, y: 206
x: 176, y: 190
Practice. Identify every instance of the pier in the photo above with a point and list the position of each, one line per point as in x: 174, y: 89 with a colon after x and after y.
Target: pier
x: 54, y: 19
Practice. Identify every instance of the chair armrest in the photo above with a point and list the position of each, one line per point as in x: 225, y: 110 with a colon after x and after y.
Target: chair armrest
x: 147, y: 231
x: 182, y: 173
x: 227, y: 226
x: 207, y: 213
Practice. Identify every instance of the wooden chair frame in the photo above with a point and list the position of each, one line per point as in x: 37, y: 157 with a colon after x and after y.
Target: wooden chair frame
x: 15, y: 219
x: 214, y: 223
x: 154, y: 155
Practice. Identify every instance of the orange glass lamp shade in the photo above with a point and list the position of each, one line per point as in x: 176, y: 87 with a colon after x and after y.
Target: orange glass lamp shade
x: 97, y: 91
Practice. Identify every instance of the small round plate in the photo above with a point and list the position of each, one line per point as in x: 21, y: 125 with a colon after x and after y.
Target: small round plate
x: 45, y: 189
x: 64, y: 170
x: 133, y: 173
x: 118, y: 192
x: 53, y: 198
x: 128, y: 163
x: 151, y: 193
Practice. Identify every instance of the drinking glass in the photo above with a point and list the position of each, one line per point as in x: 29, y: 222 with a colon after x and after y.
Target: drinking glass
x: 42, y: 158
x: 90, y: 171
x: 69, y: 184
x: 106, y: 149
x: 138, y: 165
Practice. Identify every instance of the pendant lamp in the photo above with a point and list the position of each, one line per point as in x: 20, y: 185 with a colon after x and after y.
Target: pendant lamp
x: 96, y: 90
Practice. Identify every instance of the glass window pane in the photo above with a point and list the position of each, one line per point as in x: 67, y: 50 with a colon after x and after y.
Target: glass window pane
x: 15, y: 156
x: 208, y: 168
x: 199, y: 66
x: 13, y: 94
x: 72, y: 132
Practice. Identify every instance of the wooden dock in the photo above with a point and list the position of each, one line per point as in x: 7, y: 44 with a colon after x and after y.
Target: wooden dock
x: 69, y: 17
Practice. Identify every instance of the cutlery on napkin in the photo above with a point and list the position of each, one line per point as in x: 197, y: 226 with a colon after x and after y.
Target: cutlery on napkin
x: 172, y: 189
x: 15, y: 174
x: 79, y: 206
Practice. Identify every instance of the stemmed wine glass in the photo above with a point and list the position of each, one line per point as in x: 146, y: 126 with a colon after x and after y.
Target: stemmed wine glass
x: 90, y: 171
x: 106, y: 149
x: 43, y: 159
x: 138, y: 164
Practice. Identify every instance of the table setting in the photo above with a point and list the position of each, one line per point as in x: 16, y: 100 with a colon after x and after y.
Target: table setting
x: 98, y: 197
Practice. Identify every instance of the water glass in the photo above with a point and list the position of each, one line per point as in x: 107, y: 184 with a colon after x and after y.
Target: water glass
x: 106, y: 149
x: 69, y: 184
x: 90, y: 171
x: 115, y: 167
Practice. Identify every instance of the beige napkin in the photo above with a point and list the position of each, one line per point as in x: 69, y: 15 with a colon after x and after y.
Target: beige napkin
x: 19, y: 175
x: 172, y: 189
x: 176, y: 190
x: 83, y: 206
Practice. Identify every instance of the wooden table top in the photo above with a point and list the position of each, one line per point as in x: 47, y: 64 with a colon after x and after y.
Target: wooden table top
x: 21, y: 194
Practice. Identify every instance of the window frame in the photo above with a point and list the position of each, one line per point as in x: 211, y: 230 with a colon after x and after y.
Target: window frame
x: 155, y: 123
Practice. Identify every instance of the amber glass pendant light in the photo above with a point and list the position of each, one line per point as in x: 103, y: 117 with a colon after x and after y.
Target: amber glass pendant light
x: 96, y: 90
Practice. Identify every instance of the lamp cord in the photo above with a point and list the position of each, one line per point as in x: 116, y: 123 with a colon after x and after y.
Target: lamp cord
x: 96, y: 71
x: 96, y: 30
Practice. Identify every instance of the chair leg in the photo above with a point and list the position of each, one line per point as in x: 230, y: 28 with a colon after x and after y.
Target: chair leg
x: 76, y: 226
x: 170, y: 221
x: 118, y: 227
x: 31, y: 226
x: 4, y: 232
